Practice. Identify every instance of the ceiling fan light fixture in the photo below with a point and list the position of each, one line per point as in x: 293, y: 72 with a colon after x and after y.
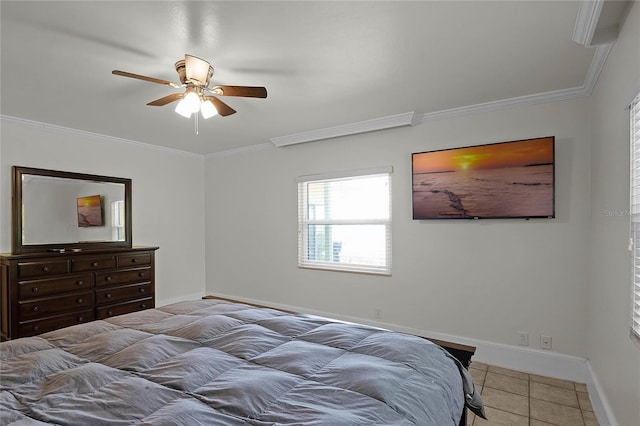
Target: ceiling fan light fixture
x: 192, y: 100
x: 189, y: 104
x: 207, y: 109
x: 183, y: 108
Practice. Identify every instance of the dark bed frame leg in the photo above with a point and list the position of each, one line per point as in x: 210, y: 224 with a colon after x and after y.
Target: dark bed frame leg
x: 463, y: 419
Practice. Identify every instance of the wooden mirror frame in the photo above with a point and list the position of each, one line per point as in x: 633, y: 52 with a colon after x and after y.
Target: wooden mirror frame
x: 18, y: 245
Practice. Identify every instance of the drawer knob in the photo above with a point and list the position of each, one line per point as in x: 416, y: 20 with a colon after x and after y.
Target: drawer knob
x: 94, y: 264
x: 45, y: 269
x: 35, y: 309
x: 134, y: 260
x: 80, y: 300
x: 110, y: 313
x: 107, y: 278
x: 35, y: 328
x: 143, y: 306
x: 80, y: 282
x: 80, y: 318
x: 141, y: 274
x: 108, y: 295
x: 142, y: 290
x: 35, y: 289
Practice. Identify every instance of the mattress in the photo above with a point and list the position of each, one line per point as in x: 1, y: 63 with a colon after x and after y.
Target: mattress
x: 214, y: 362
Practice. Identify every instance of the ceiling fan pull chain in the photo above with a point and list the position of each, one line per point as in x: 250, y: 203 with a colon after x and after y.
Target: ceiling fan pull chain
x: 196, y: 115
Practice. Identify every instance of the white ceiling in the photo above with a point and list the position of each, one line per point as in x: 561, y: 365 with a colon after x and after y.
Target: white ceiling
x: 324, y: 63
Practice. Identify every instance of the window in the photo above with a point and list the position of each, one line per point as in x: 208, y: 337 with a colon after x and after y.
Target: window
x: 117, y: 220
x: 635, y: 217
x: 344, y: 221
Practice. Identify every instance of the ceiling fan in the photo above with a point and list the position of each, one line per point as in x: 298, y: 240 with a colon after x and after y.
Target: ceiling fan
x: 195, y: 75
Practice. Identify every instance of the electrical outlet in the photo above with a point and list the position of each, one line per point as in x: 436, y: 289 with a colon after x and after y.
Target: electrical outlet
x: 523, y: 338
x: 545, y: 342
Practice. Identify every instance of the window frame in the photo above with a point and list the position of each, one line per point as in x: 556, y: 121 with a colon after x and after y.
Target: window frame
x: 634, y: 214
x: 304, y: 222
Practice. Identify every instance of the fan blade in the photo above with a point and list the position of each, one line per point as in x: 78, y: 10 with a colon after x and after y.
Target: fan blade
x: 244, y: 91
x: 166, y: 100
x: 197, y: 69
x: 145, y: 78
x: 222, y: 108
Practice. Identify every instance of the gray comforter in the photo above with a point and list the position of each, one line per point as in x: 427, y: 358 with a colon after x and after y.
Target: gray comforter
x: 214, y: 362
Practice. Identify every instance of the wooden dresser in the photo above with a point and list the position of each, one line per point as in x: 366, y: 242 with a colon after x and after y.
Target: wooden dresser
x: 41, y: 292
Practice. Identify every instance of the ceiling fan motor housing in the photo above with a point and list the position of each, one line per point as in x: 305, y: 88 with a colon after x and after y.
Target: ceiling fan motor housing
x: 181, y: 69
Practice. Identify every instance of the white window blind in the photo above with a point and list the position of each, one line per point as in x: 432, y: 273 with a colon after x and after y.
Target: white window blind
x: 635, y: 217
x: 344, y: 221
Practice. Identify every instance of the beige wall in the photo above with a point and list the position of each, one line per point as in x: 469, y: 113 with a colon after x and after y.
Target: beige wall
x: 167, y: 188
x: 615, y: 359
x: 484, y: 279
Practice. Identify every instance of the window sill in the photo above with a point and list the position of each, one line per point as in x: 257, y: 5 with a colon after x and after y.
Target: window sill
x: 366, y: 271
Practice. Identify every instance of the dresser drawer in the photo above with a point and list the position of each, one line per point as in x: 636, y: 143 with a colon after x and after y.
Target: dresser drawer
x: 93, y: 263
x: 53, y: 305
x: 42, y: 269
x: 123, y: 277
x: 124, y: 308
x: 137, y: 259
x: 39, y: 288
x: 127, y: 292
x: 31, y: 328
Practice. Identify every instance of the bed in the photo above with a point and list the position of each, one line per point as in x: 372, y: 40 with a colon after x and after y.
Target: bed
x: 219, y: 362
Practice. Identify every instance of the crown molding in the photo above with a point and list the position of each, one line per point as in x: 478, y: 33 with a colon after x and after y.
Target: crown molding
x: 382, y: 123
x: 96, y: 136
x: 539, y: 98
x: 597, y: 64
x: 587, y: 21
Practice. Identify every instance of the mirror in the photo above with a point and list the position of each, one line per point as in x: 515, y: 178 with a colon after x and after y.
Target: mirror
x: 59, y: 211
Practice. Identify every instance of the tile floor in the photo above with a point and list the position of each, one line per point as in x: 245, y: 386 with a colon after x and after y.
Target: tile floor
x: 513, y: 398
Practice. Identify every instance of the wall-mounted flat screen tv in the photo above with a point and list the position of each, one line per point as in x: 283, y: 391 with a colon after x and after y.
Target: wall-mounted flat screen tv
x: 90, y: 211
x: 501, y: 180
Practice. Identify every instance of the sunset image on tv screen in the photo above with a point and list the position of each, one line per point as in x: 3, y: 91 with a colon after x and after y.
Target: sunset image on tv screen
x: 90, y: 211
x: 502, y: 180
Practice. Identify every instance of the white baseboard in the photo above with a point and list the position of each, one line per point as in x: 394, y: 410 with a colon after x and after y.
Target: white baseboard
x: 599, y: 401
x: 534, y: 361
x: 182, y: 298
